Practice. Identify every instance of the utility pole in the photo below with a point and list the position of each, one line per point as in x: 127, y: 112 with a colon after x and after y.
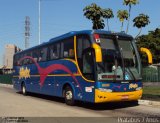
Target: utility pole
x: 39, y: 22
x: 27, y: 32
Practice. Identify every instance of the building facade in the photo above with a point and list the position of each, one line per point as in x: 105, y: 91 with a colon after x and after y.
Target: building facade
x: 10, y: 50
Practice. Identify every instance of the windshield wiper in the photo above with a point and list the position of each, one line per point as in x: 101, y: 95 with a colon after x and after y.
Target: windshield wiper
x: 101, y: 67
x: 131, y: 73
x: 123, y: 62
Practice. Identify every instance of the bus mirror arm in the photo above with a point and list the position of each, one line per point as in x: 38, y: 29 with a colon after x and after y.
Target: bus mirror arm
x: 149, y: 54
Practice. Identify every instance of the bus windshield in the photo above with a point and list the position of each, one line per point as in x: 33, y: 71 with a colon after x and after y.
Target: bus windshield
x: 119, y: 60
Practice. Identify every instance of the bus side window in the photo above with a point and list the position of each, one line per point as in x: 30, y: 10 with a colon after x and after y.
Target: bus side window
x: 27, y: 60
x: 18, y: 61
x: 15, y: 63
x: 43, y: 54
x: 54, y: 51
x: 82, y: 44
x: 68, y: 48
x: 35, y: 55
x: 65, y: 54
x: 71, y: 53
x: 40, y: 54
x: 22, y: 61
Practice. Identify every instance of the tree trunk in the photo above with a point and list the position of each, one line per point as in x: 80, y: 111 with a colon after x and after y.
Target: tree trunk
x: 122, y: 27
x: 139, y: 32
x: 108, y: 24
x: 128, y: 18
x: 96, y: 26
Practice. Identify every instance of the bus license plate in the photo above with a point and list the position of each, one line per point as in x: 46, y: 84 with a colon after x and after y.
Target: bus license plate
x: 125, y: 97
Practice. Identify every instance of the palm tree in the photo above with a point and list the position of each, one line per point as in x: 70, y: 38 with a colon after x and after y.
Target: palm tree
x: 108, y: 14
x: 141, y: 21
x: 98, y: 24
x: 122, y: 15
x: 94, y: 13
x: 130, y: 3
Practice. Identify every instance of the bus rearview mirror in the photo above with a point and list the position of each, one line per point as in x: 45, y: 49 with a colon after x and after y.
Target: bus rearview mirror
x: 98, y: 52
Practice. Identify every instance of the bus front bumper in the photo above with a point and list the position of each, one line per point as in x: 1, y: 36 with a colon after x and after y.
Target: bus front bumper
x: 101, y: 96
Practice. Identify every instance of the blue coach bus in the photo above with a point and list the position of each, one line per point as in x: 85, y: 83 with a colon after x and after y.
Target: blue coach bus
x: 92, y: 65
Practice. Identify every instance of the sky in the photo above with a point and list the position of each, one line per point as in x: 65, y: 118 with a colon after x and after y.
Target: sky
x: 62, y: 16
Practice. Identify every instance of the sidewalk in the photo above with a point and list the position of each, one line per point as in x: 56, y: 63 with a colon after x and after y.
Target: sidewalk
x: 6, y: 85
x: 140, y: 102
x: 149, y: 102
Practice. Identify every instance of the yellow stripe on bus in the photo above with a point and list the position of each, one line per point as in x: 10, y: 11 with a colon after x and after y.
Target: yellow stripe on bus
x: 52, y: 75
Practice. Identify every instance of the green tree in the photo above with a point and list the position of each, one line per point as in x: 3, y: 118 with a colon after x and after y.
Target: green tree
x: 152, y: 42
x: 141, y: 21
x: 122, y: 15
x: 94, y: 13
x: 98, y: 24
x: 108, y: 14
x: 130, y: 3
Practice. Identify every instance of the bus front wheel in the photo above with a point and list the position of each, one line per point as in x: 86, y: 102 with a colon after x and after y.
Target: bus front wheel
x: 69, y: 96
x: 24, y: 92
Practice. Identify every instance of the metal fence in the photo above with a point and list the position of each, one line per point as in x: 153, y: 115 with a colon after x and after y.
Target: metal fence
x: 151, y: 74
x: 6, y: 79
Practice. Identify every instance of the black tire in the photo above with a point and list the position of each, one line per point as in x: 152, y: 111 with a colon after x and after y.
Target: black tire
x: 134, y: 102
x: 24, y: 91
x: 69, y: 96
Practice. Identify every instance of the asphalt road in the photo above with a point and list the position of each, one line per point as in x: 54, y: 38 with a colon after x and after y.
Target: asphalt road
x: 13, y: 104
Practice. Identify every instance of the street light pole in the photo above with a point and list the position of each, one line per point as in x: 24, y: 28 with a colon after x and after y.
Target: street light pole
x: 39, y: 22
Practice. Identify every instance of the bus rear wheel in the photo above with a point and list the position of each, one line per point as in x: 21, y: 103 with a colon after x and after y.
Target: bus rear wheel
x: 69, y: 96
x: 24, y: 92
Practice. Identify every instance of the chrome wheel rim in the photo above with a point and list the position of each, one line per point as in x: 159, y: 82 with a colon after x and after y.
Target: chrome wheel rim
x: 69, y: 95
x: 23, y: 90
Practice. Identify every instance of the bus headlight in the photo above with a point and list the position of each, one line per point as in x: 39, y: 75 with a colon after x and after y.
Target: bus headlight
x: 139, y: 88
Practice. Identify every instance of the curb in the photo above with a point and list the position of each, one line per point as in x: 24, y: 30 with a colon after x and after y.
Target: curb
x: 6, y: 85
x: 149, y: 102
